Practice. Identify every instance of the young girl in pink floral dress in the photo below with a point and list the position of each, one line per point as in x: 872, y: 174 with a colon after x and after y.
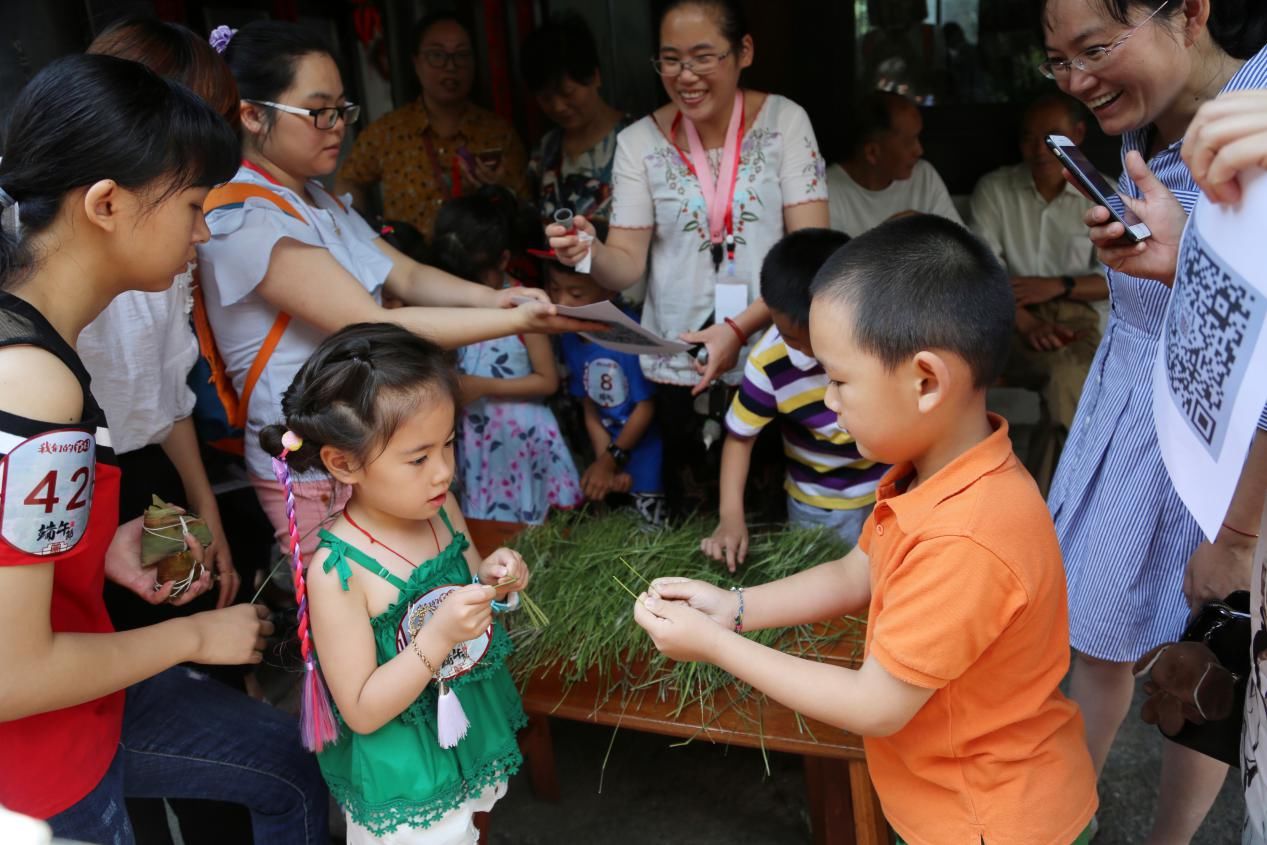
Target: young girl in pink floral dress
x: 513, y: 464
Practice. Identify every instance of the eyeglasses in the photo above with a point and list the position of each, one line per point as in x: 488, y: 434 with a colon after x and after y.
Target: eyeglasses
x: 700, y: 65
x: 1092, y: 57
x: 324, y: 118
x: 439, y: 58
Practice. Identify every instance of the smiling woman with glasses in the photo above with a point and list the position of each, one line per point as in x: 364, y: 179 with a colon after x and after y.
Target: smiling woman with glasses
x: 1131, y: 549
x: 704, y: 187
x: 439, y: 146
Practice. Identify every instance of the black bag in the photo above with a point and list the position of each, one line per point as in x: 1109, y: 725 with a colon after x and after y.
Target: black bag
x: 1224, y: 627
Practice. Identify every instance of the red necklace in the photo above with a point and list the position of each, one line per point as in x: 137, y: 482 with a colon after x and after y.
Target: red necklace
x: 375, y: 541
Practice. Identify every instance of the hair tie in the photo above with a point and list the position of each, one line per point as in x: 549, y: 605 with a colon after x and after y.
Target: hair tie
x: 10, y: 214
x: 220, y: 38
x: 291, y: 442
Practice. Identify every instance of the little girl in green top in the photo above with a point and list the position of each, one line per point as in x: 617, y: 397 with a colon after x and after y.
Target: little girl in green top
x: 401, y: 606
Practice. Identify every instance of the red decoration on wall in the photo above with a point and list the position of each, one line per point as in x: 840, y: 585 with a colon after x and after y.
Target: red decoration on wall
x: 367, y: 20
x: 498, y: 57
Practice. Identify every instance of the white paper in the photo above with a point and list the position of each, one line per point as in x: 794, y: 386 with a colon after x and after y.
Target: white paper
x: 583, y: 266
x: 625, y: 335
x: 1210, y: 373
x: 729, y: 301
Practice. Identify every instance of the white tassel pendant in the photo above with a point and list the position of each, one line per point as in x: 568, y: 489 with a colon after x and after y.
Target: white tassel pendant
x: 451, y: 721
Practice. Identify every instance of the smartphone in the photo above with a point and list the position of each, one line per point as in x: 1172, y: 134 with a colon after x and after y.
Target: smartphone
x: 490, y: 158
x: 1095, y: 185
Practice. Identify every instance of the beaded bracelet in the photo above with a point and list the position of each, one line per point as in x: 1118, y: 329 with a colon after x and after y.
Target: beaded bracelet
x: 739, y: 612
x: 423, y: 658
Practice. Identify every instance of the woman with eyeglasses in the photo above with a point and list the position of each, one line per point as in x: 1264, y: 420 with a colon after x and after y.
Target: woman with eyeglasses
x: 289, y: 263
x: 1135, y: 560
x: 703, y: 187
x: 441, y: 145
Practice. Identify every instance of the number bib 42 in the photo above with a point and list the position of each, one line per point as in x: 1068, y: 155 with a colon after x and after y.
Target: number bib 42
x: 46, y: 495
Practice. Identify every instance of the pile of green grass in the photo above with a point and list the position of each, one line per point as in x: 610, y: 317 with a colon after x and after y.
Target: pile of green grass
x: 583, y: 569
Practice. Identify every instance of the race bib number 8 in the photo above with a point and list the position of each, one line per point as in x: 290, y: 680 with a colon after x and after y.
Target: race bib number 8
x: 46, y: 495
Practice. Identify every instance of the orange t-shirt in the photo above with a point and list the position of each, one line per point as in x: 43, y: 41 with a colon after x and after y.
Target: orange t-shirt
x: 968, y: 599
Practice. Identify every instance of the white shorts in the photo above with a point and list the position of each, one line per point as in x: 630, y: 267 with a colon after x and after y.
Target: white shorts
x: 457, y: 827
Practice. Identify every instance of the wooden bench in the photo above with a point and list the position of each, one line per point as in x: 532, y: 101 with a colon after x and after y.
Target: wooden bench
x: 842, y: 802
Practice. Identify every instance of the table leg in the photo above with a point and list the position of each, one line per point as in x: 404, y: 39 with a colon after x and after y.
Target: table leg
x: 538, y: 751
x: 868, y: 816
x: 830, y: 810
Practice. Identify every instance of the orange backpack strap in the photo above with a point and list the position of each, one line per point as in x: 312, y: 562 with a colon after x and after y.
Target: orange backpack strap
x: 235, y: 194
x: 257, y: 366
x: 231, y: 195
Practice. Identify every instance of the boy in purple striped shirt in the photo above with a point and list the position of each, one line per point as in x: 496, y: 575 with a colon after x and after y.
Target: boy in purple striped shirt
x: 828, y: 482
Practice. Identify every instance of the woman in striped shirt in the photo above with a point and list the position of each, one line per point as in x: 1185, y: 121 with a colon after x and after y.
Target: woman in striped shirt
x: 1133, y: 554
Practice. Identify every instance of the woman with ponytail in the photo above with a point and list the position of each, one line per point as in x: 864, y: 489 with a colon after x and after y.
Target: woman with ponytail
x: 290, y: 262
x: 102, y: 180
x: 401, y: 605
x: 1135, y: 559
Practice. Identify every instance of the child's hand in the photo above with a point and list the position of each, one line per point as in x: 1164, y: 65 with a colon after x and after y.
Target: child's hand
x: 715, y: 603
x: 622, y: 482
x: 728, y: 543
x: 501, y: 565
x: 599, y: 478
x: 465, y: 613
x: 678, y: 630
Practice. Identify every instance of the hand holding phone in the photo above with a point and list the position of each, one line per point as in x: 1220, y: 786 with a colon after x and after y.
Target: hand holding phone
x: 1095, y: 186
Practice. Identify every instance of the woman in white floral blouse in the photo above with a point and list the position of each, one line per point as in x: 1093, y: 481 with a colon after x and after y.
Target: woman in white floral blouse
x: 660, y: 221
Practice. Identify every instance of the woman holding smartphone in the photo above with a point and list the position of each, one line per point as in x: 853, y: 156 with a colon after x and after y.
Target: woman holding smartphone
x: 1135, y: 560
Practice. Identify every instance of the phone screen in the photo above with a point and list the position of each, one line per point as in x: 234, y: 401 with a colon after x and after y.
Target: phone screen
x: 1089, y: 172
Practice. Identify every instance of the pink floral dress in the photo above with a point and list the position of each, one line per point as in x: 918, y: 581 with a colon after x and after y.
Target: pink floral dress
x: 513, y: 465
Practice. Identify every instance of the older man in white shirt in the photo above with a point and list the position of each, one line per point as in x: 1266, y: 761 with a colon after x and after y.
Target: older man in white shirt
x: 1032, y: 219
x: 884, y: 175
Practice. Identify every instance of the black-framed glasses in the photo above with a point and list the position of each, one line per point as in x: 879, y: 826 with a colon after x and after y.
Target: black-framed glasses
x: 323, y: 118
x: 440, y: 58
x: 1092, y: 57
x: 701, y: 65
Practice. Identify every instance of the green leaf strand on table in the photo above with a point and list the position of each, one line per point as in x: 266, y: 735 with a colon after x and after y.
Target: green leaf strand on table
x: 583, y: 567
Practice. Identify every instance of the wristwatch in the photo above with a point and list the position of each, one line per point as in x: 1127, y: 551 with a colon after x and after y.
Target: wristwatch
x: 1068, y: 282
x: 619, y: 455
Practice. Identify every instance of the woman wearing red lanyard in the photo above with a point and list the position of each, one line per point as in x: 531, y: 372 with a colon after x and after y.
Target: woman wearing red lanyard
x: 102, y: 180
x: 703, y: 188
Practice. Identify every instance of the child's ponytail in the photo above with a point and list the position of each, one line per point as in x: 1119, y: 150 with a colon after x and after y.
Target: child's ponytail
x: 317, y: 725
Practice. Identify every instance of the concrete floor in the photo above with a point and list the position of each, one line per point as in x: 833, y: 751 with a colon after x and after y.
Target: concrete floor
x: 703, y: 794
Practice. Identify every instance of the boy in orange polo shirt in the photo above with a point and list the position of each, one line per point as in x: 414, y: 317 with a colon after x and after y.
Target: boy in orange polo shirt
x: 968, y: 737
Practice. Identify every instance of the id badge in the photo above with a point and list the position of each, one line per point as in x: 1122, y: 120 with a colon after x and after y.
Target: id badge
x: 730, y: 300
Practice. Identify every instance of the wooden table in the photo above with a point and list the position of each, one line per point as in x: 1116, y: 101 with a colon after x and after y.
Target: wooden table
x: 832, y: 757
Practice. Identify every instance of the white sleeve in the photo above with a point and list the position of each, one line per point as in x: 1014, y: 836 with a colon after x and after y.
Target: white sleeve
x: 632, y: 204
x: 938, y: 197
x: 987, y: 215
x: 802, y: 173
x: 236, y: 258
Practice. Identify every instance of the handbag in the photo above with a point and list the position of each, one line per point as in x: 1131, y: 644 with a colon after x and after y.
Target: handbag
x: 1224, y: 628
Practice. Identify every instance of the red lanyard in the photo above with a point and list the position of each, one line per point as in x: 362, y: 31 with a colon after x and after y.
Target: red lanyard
x: 252, y: 166
x: 722, y: 231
